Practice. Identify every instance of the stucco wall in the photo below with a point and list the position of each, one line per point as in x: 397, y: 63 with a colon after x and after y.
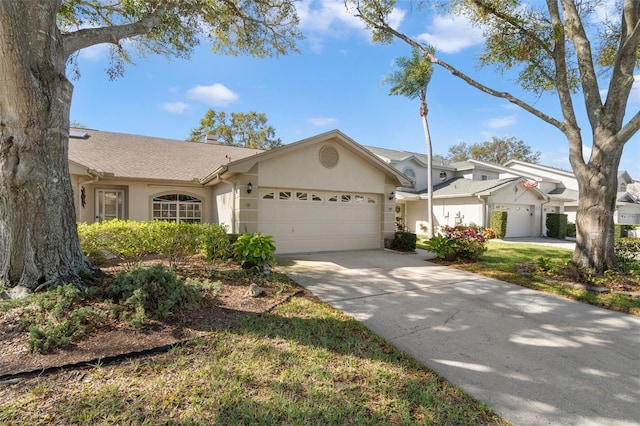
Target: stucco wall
x: 302, y: 169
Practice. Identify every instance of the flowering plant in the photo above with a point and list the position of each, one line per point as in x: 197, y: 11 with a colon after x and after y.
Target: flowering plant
x: 469, y: 241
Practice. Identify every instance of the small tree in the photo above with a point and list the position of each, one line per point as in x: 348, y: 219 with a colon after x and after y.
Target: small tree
x: 411, y: 80
x: 247, y: 130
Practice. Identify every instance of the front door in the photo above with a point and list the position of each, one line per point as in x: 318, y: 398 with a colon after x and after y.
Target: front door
x: 109, y: 204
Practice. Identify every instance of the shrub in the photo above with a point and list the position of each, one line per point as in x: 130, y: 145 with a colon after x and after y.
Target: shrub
x: 441, y: 245
x: 571, y: 229
x: 128, y: 240
x: 216, y: 243
x: 469, y: 241
x: 499, y: 223
x: 254, y: 250
x: 556, y: 225
x: 174, y: 241
x: 53, y: 321
x: 620, y: 231
x: 151, y: 292
x: 627, y: 249
x: 404, y: 241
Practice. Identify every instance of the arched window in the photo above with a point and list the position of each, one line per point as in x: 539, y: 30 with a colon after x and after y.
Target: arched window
x: 408, y: 172
x: 177, y: 208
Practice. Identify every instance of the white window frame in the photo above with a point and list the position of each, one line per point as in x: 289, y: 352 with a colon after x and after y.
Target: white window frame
x: 188, y: 211
x: 102, y: 206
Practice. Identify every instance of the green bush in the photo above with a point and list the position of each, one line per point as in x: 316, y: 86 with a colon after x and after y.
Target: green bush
x: 556, y: 225
x: 254, y: 250
x: 499, y: 223
x: 174, y: 241
x: 53, y: 319
x: 620, y: 231
x: 571, y: 229
x: 151, y: 292
x: 404, y: 241
x: 216, y: 243
x: 441, y: 246
x: 627, y: 250
x: 130, y: 241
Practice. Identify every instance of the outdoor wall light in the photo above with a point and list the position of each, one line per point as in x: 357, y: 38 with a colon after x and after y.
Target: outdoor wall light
x: 391, y: 195
x: 249, y: 188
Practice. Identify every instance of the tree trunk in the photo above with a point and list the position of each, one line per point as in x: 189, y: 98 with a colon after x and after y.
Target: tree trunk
x: 38, y: 235
x: 598, y: 186
x: 427, y: 136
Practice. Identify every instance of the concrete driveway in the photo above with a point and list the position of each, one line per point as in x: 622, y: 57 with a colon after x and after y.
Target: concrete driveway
x: 534, y: 358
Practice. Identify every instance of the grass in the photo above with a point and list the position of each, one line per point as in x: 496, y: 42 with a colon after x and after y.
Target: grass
x: 500, y: 261
x: 302, y: 363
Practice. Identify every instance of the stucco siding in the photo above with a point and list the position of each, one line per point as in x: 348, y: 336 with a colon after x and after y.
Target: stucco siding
x: 302, y: 169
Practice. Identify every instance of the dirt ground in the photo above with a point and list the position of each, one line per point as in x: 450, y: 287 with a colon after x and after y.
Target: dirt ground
x: 116, y: 339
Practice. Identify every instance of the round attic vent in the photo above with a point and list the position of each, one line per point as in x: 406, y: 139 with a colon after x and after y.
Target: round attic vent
x: 328, y: 156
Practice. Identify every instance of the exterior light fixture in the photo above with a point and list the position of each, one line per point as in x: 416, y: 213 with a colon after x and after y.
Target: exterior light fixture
x: 391, y: 195
x: 249, y: 188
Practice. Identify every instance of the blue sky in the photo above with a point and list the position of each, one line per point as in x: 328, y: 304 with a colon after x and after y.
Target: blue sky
x: 334, y: 83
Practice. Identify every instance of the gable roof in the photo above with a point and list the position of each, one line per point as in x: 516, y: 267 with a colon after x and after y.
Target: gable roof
x: 397, y: 156
x: 245, y: 164
x: 463, y: 187
x: 122, y: 155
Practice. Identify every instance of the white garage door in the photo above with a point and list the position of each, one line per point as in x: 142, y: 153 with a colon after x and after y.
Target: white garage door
x: 303, y: 220
x: 518, y: 220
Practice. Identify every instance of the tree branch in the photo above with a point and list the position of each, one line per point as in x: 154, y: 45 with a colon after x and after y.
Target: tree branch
x: 111, y: 34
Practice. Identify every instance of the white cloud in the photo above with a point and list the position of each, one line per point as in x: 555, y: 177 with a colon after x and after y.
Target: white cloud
x: 322, y: 121
x: 214, y: 95
x: 451, y: 34
x: 174, y: 107
x: 501, y: 122
x: 328, y: 17
x: 323, y: 19
x: 95, y: 53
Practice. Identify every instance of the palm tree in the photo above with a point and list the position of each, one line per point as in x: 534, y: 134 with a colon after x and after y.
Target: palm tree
x: 411, y: 80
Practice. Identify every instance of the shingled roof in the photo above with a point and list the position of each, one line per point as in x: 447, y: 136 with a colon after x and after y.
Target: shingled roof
x: 142, y: 157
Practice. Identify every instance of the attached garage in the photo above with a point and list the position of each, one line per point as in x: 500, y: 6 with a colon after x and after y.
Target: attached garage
x: 324, y: 193
x: 519, y: 219
x: 309, y: 220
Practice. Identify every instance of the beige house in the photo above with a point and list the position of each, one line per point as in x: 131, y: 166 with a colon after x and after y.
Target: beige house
x: 323, y: 193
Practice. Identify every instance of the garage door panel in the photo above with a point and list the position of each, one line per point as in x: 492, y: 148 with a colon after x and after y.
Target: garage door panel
x: 518, y: 220
x: 305, y: 225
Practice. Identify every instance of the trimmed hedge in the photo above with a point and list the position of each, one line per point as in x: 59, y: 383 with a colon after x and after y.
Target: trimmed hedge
x: 620, y: 231
x: 556, y: 225
x: 499, y: 223
x: 404, y: 241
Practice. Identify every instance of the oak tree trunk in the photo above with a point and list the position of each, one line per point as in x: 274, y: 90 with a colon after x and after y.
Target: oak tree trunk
x: 38, y: 235
x: 598, y: 187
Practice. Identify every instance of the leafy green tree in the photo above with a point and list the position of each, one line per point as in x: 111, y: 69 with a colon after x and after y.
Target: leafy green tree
x: 411, y: 80
x: 497, y: 150
x: 39, y: 44
x: 248, y: 130
x: 561, y: 47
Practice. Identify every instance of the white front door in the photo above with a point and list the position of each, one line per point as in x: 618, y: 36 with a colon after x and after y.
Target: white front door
x: 109, y: 204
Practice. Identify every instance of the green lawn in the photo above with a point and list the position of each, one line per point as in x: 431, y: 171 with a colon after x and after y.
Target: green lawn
x: 303, y: 363
x: 500, y: 262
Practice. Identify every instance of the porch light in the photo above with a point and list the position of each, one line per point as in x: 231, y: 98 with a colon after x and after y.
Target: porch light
x: 249, y: 188
x: 391, y: 195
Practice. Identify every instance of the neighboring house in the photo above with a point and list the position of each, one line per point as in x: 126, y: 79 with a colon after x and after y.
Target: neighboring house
x: 467, y: 192
x: 322, y: 193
